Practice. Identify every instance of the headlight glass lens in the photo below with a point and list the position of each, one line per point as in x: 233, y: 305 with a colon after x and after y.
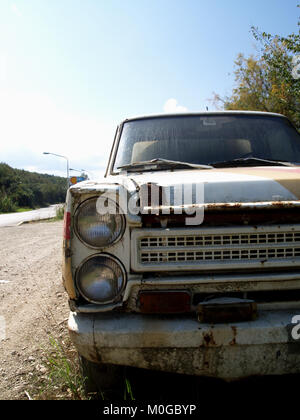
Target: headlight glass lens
x: 95, y: 229
x: 100, y: 279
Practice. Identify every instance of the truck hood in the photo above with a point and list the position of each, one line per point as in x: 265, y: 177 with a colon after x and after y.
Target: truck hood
x: 232, y: 185
x: 222, y: 185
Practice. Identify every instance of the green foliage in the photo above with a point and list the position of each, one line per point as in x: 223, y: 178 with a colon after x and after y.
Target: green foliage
x: 19, y: 188
x: 7, y: 205
x: 265, y: 82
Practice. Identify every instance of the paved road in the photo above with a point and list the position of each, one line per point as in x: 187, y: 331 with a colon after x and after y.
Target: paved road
x: 13, y: 219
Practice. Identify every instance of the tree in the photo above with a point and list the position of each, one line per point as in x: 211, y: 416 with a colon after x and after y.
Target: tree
x: 267, y: 82
x: 19, y: 188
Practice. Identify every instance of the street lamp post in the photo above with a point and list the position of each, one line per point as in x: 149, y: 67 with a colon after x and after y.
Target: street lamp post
x: 54, y: 154
x: 77, y: 170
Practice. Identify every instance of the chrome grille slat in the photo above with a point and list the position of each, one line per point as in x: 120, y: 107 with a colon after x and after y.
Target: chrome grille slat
x: 216, y: 248
x: 219, y: 255
x: 174, y: 241
x: 220, y: 247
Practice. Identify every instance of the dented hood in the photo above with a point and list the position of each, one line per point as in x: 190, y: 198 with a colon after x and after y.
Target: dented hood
x: 232, y: 185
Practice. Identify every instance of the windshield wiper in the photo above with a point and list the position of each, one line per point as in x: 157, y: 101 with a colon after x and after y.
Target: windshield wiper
x: 250, y: 161
x: 156, y: 164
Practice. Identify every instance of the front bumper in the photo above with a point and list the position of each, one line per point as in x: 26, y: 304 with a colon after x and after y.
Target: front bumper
x: 183, y: 345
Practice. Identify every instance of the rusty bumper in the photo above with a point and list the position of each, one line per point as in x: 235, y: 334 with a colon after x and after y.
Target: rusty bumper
x: 183, y: 345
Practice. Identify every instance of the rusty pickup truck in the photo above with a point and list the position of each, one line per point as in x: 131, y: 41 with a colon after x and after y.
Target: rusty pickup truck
x: 185, y: 257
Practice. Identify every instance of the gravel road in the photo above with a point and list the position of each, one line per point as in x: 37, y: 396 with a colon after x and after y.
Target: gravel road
x: 32, y: 300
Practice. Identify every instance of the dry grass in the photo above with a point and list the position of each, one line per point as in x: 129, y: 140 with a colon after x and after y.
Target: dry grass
x: 57, y: 376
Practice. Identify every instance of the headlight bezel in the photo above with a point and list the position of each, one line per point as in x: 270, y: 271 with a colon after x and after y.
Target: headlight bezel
x: 75, y: 223
x: 116, y: 299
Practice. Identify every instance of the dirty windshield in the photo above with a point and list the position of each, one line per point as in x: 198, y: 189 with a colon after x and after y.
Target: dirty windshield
x: 210, y: 139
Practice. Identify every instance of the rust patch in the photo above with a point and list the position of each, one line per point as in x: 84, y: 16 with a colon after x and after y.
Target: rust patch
x: 233, y: 341
x: 224, y: 206
x: 209, y: 339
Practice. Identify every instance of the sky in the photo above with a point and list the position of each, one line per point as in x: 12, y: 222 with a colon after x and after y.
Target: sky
x: 71, y: 70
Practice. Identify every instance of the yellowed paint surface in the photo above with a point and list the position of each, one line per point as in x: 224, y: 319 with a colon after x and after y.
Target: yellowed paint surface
x: 288, y: 177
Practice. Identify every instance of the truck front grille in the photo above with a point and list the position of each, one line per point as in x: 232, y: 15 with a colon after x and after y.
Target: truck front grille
x: 216, y: 248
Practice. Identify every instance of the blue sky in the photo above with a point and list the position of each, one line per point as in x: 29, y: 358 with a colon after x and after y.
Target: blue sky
x: 70, y: 70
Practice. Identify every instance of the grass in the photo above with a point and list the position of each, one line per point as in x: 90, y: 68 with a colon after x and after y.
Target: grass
x: 128, y: 394
x: 18, y: 210
x: 23, y: 209
x: 63, y: 372
x: 61, y: 377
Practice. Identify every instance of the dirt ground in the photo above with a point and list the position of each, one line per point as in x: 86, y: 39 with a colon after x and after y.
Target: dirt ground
x: 32, y: 301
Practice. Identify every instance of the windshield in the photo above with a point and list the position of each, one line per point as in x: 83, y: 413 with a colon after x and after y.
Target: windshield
x: 199, y: 139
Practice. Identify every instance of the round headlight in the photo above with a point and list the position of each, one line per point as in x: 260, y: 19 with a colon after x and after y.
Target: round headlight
x: 101, y: 279
x: 95, y: 229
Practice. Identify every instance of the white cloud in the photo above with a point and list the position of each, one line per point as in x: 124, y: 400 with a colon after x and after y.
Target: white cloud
x: 16, y: 10
x: 171, y: 105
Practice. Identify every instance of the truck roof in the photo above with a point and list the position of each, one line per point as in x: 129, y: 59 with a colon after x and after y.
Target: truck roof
x: 203, y: 113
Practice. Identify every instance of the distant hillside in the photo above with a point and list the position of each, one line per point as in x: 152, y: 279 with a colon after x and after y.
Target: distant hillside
x: 19, y: 188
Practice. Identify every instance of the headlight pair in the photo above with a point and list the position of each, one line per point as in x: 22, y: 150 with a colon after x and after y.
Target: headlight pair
x: 101, y: 278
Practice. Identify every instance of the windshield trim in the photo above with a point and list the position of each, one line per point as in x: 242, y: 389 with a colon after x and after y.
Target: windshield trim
x: 116, y: 147
x: 240, y: 162
x: 204, y: 113
x: 111, y: 163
